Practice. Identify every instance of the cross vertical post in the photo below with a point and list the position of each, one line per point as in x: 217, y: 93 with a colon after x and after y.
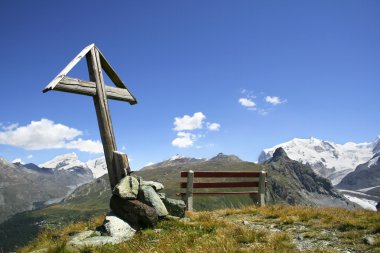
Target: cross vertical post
x: 102, y: 112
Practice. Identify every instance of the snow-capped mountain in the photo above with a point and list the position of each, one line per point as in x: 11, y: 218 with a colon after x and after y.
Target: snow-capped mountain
x: 173, y: 161
x: 98, y: 166
x: 366, y: 177
x: 70, y: 161
x: 63, y: 162
x: 327, y: 159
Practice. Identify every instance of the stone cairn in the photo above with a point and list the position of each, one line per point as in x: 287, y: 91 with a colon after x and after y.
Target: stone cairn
x: 136, y: 204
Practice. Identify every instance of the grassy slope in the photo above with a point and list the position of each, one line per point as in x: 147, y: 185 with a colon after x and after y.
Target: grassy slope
x: 251, y: 229
x: 93, y: 199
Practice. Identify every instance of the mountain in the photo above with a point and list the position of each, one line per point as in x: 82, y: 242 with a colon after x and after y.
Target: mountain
x: 173, y: 161
x: 63, y: 162
x: 365, y: 178
x: 97, y: 166
x: 326, y: 158
x: 295, y: 183
x: 288, y: 182
x: 26, y: 187
x: 71, y: 162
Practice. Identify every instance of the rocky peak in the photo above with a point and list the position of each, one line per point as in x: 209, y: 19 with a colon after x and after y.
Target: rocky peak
x: 280, y: 153
x: 223, y: 157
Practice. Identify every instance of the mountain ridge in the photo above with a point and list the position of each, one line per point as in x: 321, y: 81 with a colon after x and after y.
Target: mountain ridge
x: 327, y: 159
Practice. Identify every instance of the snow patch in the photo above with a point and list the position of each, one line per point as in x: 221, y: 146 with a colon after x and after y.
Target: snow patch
x: 328, y: 159
x: 365, y: 203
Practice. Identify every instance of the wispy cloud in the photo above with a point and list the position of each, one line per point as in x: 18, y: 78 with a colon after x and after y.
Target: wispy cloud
x: 261, y: 108
x: 46, y: 134
x: 274, y: 100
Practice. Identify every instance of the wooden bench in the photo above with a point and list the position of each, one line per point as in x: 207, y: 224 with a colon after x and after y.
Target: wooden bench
x: 258, y: 182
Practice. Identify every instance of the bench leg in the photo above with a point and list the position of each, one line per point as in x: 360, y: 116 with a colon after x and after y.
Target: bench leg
x: 189, y: 191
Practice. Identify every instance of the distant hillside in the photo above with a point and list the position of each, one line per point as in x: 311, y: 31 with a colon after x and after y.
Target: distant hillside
x: 26, y: 187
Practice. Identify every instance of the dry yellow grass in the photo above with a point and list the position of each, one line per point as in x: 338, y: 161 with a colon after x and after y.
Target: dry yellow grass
x: 265, y: 229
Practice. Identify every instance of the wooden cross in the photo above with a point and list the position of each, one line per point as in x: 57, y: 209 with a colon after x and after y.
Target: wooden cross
x: 117, y: 162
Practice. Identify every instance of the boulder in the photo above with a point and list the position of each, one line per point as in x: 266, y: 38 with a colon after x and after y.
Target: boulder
x: 127, y: 188
x: 149, y: 196
x: 137, y: 214
x: 156, y: 186
x: 175, y: 207
x: 116, y: 227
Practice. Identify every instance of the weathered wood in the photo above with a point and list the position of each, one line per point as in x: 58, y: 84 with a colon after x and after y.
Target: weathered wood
x: 121, y: 165
x: 221, y: 184
x: 189, y: 191
x: 190, y: 185
x: 216, y: 174
x: 221, y: 193
x: 69, y: 66
x: 74, y: 85
x: 113, y: 76
x: 102, y: 112
x: 262, y: 186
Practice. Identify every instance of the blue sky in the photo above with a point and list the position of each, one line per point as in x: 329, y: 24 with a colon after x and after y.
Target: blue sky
x: 249, y: 75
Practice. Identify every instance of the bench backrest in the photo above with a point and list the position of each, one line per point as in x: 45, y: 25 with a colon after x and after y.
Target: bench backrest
x: 189, y: 185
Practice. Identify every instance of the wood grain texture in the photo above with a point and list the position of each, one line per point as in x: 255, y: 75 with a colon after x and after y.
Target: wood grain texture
x: 102, y: 113
x: 215, y: 174
x: 69, y: 67
x: 88, y: 88
x: 221, y: 184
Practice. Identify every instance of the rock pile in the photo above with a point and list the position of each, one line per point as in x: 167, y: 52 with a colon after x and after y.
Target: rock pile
x: 135, y: 204
x: 141, y: 204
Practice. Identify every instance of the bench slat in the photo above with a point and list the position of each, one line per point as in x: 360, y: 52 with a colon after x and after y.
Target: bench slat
x: 221, y: 184
x: 219, y: 193
x: 223, y: 174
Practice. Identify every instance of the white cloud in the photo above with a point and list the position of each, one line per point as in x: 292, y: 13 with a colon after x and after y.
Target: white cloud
x: 184, y: 140
x: 274, y: 100
x: 213, y: 126
x: 45, y: 134
x: 29, y: 156
x: 88, y: 146
x: 246, y: 102
x: 148, y: 164
x: 189, y: 122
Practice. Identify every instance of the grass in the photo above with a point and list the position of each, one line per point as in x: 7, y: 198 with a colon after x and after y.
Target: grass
x: 265, y: 229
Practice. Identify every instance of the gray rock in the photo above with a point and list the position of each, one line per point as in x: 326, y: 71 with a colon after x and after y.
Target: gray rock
x: 137, y: 214
x: 370, y: 240
x: 116, y: 227
x: 149, y: 196
x: 175, y: 207
x: 127, y: 188
x: 94, y: 241
x: 156, y: 186
x: 162, y: 195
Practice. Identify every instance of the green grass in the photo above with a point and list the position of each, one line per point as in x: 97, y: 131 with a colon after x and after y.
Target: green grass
x: 224, y: 231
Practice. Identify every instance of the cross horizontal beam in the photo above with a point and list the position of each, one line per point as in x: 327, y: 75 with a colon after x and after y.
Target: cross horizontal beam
x: 74, y: 85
